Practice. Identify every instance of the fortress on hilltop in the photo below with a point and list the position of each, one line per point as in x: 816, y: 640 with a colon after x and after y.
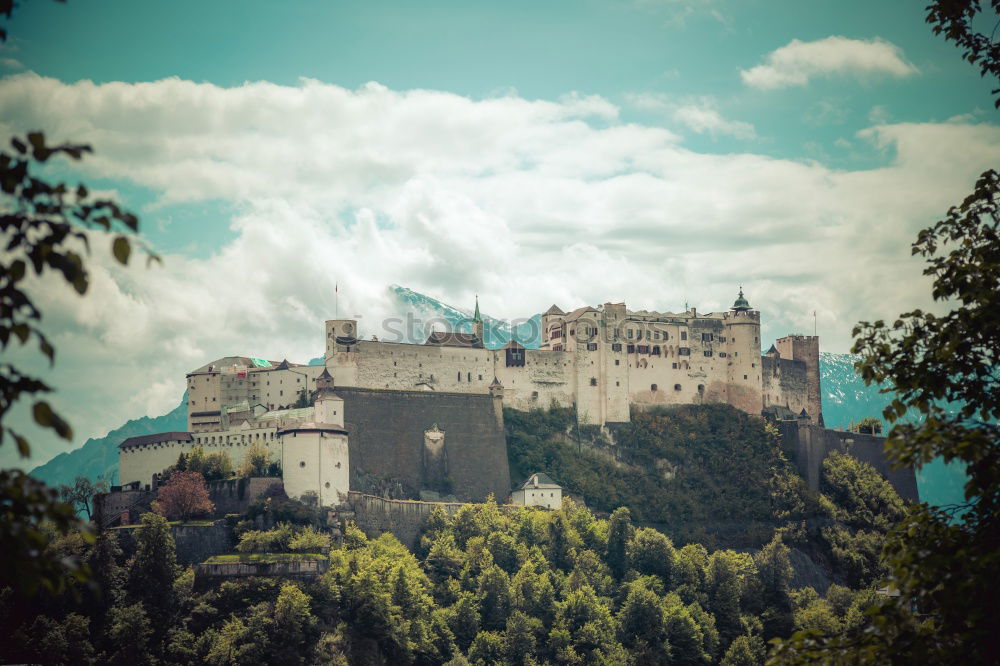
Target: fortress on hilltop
x: 426, y: 420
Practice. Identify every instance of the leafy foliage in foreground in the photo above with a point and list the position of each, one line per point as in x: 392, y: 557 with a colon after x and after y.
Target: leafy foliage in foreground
x: 946, y: 567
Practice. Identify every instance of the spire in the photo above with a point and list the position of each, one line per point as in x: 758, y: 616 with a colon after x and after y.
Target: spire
x: 476, y: 316
x: 741, y: 302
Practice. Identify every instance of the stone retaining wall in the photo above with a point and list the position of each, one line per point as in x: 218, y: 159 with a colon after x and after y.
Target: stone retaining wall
x: 212, y: 573
x: 194, y: 543
x: 404, y: 518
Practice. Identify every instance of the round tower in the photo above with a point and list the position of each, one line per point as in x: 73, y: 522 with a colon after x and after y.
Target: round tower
x: 314, y: 455
x: 341, y: 335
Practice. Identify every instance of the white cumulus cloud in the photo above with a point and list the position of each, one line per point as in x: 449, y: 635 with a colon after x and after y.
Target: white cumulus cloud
x: 797, y: 62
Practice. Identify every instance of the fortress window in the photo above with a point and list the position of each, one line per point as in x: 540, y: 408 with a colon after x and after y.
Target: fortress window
x: 656, y: 350
x: 630, y: 334
x: 722, y: 338
x: 327, y: 484
x: 459, y: 377
x: 591, y: 346
x: 617, y: 362
x: 684, y: 335
x: 534, y: 395
x: 593, y: 381
x: 722, y: 354
x: 652, y: 387
x: 302, y: 463
x: 744, y: 376
x: 706, y: 337
x: 708, y: 352
x: 674, y: 366
x: 643, y: 349
x: 677, y: 387
x: 649, y: 335
x: 701, y: 388
x: 468, y: 376
x: 753, y: 365
x: 616, y: 346
x: 481, y: 377
x: 631, y: 348
x: 683, y: 351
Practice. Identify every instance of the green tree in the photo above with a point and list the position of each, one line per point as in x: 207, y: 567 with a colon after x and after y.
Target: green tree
x: 746, y: 650
x: 152, y: 569
x: 724, y: 591
x: 294, y: 627
x: 256, y: 461
x: 534, y: 593
x: 861, y: 498
x: 620, y: 532
x: 520, y: 638
x: 643, y: 625
x: 774, y: 571
x: 584, y: 627
x: 495, y: 598
x: 687, y: 641
x: 488, y: 649
x: 129, y: 632
x: 651, y: 553
x: 463, y: 620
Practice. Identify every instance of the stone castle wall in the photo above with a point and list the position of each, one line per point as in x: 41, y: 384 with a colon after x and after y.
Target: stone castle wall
x: 375, y: 516
x: 386, y: 442
x: 809, y: 445
x: 405, y: 519
x: 784, y: 384
x: 236, y: 495
x: 194, y: 543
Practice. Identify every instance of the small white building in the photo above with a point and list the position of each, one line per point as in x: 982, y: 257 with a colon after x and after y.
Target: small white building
x: 538, y: 490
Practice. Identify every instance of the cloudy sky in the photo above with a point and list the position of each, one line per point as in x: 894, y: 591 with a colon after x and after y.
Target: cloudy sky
x: 652, y: 151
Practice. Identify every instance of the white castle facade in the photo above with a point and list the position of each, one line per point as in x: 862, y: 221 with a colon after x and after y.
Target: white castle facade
x: 603, y: 361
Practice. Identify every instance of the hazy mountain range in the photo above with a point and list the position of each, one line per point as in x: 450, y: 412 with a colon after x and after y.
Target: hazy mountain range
x: 845, y: 399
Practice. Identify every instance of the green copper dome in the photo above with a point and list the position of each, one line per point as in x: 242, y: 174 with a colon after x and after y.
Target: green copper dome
x: 741, y: 302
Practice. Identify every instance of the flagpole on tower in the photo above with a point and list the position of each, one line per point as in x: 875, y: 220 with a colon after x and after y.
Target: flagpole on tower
x: 815, y: 333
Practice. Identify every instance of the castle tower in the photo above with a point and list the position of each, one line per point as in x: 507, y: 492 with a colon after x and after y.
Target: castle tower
x: 805, y: 348
x: 549, y: 318
x: 328, y: 407
x: 477, y: 325
x: 341, y: 335
x: 314, y: 455
x: 743, y: 365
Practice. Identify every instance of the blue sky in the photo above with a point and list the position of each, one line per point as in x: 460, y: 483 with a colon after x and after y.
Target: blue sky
x: 652, y: 151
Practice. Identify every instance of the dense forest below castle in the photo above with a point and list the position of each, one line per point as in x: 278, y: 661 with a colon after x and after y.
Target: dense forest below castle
x: 507, y: 586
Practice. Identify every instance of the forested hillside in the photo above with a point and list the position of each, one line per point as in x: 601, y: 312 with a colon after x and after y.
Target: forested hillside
x: 487, y: 586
